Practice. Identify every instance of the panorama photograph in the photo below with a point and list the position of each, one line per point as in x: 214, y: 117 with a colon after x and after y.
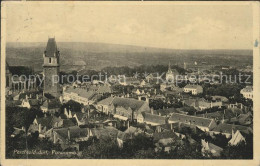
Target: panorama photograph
x: 128, y: 81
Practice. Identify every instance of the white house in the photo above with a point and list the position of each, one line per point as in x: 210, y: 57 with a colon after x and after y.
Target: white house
x: 247, y: 92
x: 79, y: 95
x: 194, y: 89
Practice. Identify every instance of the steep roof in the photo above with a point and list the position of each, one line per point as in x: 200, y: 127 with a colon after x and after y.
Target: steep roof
x: 165, y: 135
x: 193, y: 120
x: 48, y: 121
x: 51, y: 48
x: 75, y: 132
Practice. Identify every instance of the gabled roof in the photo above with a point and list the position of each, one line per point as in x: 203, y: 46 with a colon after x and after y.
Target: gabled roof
x: 227, y: 128
x: 51, y: 48
x: 164, y: 135
x: 48, y: 121
x: 33, y: 102
x: 52, y: 104
x: 193, y: 120
x: 75, y: 132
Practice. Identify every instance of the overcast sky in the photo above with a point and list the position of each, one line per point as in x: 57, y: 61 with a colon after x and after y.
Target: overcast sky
x: 164, y: 26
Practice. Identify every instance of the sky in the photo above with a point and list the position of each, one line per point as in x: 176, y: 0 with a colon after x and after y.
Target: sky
x: 174, y: 26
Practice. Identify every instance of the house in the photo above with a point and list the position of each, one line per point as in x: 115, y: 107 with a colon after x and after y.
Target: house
x: 247, y: 92
x: 29, y: 103
x: 43, y: 124
x: 166, y: 141
x: 128, y: 134
x: 205, y: 124
x: 79, y: 95
x: 210, y: 148
x: 220, y: 98
x: 128, y: 105
x: 51, y: 106
x: 194, y: 89
x: 237, y: 137
x: 228, y: 129
x: 153, y: 119
x: 201, y: 104
x: 129, y: 81
x: 70, y: 137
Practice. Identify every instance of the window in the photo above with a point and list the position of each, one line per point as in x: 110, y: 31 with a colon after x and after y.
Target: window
x: 49, y: 60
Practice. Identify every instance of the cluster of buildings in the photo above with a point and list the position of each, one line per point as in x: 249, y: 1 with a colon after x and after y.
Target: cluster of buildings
x: 105, y: 110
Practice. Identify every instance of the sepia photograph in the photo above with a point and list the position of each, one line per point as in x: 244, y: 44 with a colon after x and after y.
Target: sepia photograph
x: 123, y: 80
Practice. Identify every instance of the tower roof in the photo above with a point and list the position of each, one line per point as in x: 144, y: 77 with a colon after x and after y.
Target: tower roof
x: 51, y: 48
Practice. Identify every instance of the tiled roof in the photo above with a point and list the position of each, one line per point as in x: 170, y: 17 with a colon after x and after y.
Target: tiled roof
x: 67, y: 123
x: 48, y: 121
x: 33, y: 102
x: 164, y: 135
x: 227, y: 128
x: 148, y: 117
x: 193, y: 120
x: 81, y: 92
x: 123, y: 102
x: 247, y: 89
x: 52, y: 104
x: 75, y: 132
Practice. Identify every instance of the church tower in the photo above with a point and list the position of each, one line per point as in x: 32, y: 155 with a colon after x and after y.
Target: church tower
x: 51, y: 67
x: 169, y: 74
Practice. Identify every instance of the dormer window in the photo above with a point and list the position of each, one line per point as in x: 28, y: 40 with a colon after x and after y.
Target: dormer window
x: 49, y: 60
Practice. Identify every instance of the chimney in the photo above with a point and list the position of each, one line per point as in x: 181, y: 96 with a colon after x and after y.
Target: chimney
x: 88, y: 132
x: 54, y: 137
x: 37, y: 96
x: 171, y: 126
x: 40, y: 128
x: 128, y: 124
x: 23, y: 128
x: 152, y: 110
x: 70, y: 115
x: 147, y: 100
x: 68, y: 133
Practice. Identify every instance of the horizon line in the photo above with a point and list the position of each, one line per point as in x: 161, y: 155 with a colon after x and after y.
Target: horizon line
x: 134, y: 45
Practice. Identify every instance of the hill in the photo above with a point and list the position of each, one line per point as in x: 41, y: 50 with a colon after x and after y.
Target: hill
x: 77, y: 55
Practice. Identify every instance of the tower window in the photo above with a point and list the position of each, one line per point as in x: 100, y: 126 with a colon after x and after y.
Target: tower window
x: 49, y: 60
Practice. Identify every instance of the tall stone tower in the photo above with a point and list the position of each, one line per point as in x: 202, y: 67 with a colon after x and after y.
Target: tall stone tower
x: 51, y: 67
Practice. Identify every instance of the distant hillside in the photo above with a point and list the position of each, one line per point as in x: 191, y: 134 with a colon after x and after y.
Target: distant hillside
x: 75, y: 55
